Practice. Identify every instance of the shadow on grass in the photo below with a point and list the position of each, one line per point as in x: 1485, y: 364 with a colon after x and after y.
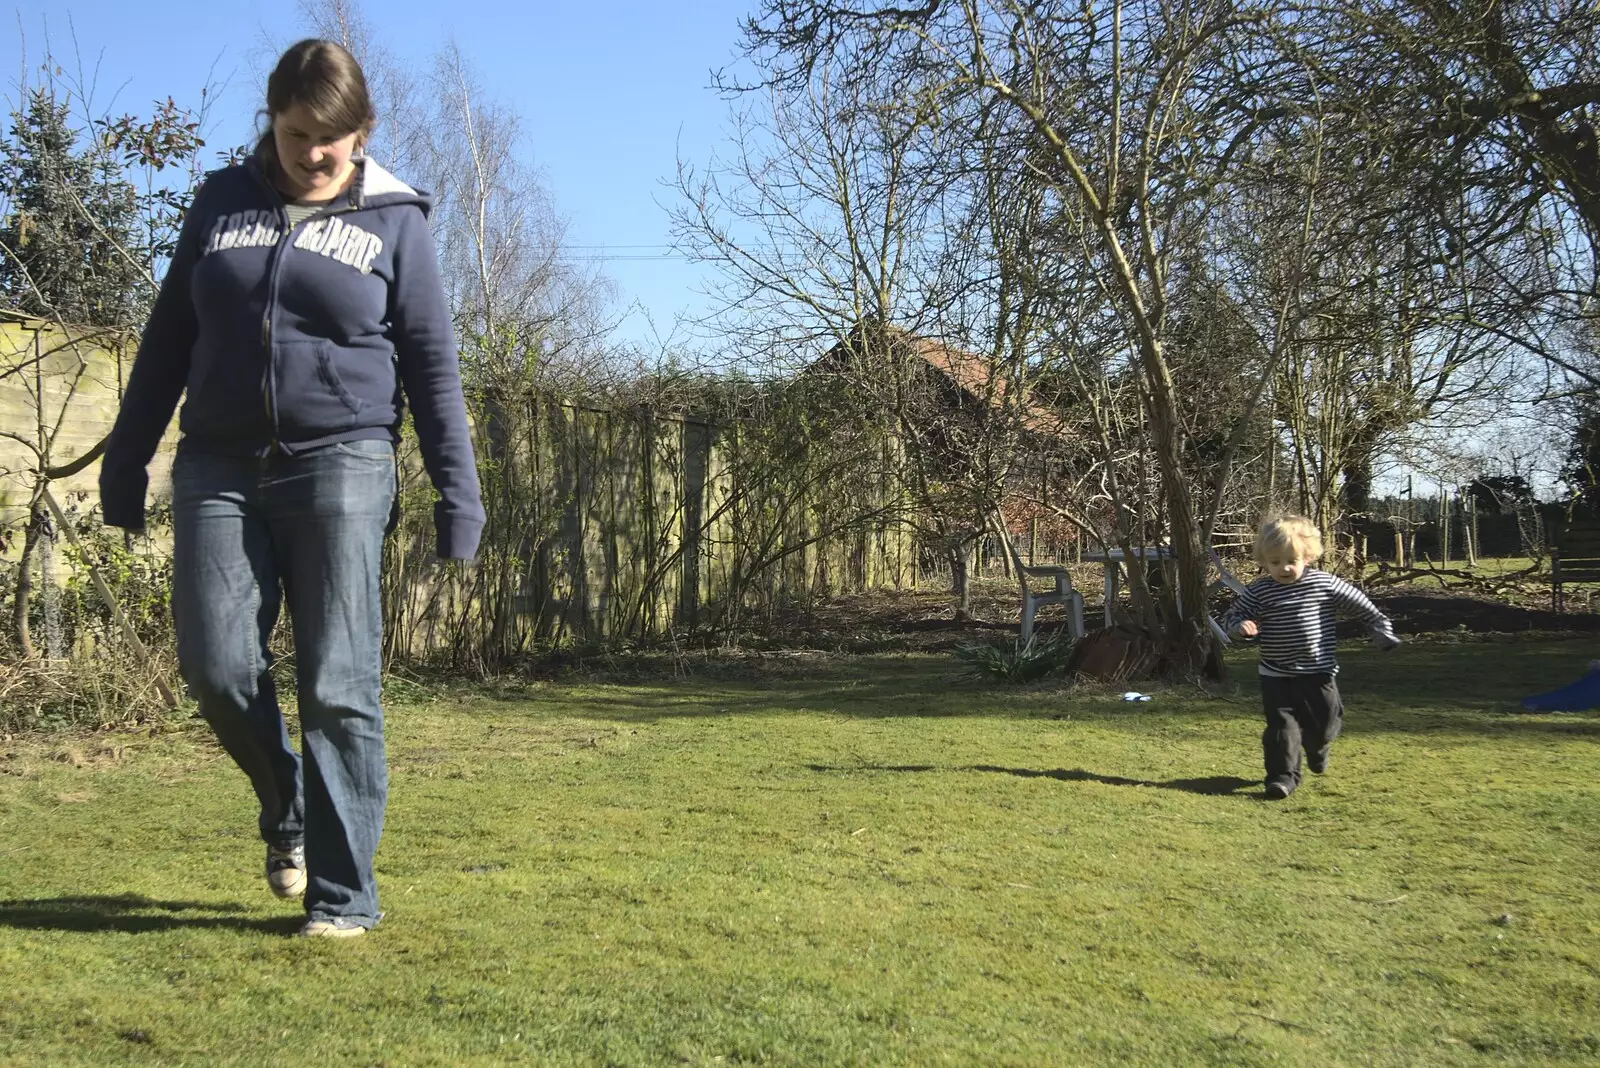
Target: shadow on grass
x: 1425, y: 703
x: 133, y: 914
x: 1495, y: 723
x: 1209, y: 786
x: 1421, y: 689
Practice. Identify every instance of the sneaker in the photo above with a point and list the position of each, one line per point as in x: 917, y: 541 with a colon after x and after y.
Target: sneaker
x: 333, y: 927
x: 286, y: 870
x: 1277, y: 790
x: 1317, y: 762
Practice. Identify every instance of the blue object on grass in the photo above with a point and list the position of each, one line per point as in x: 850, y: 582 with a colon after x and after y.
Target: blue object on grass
x: 1578, y: 696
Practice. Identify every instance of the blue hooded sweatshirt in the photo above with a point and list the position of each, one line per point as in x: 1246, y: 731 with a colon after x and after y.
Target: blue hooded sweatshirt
x: 291, y: 338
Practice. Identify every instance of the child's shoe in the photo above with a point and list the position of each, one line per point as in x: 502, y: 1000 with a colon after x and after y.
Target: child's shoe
x: 1278, y: 789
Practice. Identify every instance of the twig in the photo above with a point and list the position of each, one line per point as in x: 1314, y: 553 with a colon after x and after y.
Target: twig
x: 1287, y: 1025
x: 1390, y: 575
x: 1372, y: 901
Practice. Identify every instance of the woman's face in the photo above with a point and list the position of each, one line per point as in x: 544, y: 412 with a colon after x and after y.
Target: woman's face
x: 315, y: 159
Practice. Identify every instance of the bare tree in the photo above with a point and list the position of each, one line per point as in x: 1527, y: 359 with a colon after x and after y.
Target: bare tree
x: 518, y: 297
x: 81, y: 246
x: 1133, y: 110
x: 864, y: 236
x: 1490, y: 107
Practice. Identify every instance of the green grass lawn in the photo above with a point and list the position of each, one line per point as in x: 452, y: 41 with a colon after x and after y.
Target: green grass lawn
x: 1497, y: 565
x: 1486, y: 567
x: 816, y: 861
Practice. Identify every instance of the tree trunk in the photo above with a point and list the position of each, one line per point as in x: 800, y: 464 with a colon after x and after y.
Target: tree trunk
x: 1444, y: 526
x: 24, y: 591
x: 1469, y: 528
x: 1187, y: 642
x: 1358, y: 546
x: 1356, y: 500
x: 960, y: 582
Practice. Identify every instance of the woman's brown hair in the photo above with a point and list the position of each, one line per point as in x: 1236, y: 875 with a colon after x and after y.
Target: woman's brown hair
x: 326, y: 80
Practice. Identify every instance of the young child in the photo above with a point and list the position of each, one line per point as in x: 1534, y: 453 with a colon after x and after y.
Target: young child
x: 1292, y: 609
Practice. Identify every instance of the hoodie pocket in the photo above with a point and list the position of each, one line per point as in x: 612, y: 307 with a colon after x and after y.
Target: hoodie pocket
x: 312, y: 400
x: 225, y: 399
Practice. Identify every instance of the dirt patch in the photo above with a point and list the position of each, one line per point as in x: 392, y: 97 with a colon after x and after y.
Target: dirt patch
x: 897, y: 621
x: 923, y: 620
x: 795, y: 643
x: 1420, y: 611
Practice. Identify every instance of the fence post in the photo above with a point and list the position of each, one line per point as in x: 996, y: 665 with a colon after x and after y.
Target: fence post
x: 1472, y: 529
x: 1444, y: 525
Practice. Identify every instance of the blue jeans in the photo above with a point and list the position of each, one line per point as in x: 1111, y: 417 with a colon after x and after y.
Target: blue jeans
x: 248, y: 533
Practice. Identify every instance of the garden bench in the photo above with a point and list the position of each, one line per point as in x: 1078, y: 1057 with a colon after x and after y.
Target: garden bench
x: 1574, y: 557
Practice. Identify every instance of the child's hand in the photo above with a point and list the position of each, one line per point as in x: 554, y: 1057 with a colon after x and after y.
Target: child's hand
x: 1249, y: 629
x: 1383, y: 641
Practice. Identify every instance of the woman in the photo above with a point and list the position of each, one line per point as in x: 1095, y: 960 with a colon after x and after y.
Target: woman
x: 302, y: 301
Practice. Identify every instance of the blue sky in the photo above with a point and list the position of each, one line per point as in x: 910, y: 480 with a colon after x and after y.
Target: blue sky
x: 608, y: 94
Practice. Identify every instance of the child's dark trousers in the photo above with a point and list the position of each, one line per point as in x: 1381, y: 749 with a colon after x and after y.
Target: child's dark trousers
x: 1304, y: 713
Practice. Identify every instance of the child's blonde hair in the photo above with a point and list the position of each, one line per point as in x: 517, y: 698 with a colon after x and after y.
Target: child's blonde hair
x: 1294, y: 533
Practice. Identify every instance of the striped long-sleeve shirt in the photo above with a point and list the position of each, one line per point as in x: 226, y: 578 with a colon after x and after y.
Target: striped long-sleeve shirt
x: 1297, y: 620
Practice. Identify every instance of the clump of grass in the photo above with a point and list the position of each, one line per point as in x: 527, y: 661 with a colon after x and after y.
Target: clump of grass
x: 1015, y: 661
x: 111, y: 688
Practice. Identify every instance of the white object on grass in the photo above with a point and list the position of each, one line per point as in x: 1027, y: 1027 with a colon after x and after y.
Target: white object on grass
x: 1134, y: 695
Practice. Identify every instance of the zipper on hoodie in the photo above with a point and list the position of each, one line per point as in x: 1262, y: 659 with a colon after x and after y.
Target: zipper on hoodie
x: 268, y: 398
x: 266, y: 392
x: 274, y: 266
